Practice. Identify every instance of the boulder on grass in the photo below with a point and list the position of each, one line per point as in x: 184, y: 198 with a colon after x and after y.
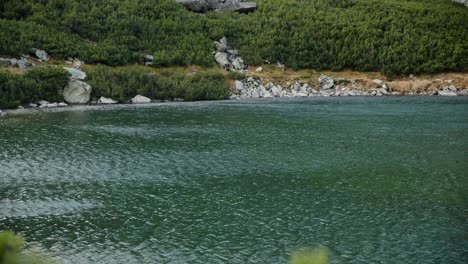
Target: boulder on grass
x: 77, y: 92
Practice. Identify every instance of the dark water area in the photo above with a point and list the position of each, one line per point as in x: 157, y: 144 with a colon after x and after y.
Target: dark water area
x: 375, y: 180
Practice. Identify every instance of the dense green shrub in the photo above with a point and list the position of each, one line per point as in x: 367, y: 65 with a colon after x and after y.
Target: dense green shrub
x: 235, y: 75
x: 123, y: 84
x: 386, y: 35
x: 12, y: 251
x: 41, y: 83
x: 204, y: 85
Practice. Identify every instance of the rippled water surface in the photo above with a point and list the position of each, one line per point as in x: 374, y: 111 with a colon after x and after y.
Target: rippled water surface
x: 376, y: 180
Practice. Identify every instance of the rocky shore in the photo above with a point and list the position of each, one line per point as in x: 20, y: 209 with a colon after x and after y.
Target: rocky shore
x: 257, y: 82
x: 327, y: 86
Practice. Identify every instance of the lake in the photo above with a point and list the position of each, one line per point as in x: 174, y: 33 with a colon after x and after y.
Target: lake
x: 375, y: 180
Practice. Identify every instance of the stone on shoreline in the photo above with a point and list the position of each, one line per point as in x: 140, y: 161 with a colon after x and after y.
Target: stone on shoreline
x: 446, y: 93
x: 104, y: 100
x: 139, y: 99
x: 77, y: 92
x: 326, y: 82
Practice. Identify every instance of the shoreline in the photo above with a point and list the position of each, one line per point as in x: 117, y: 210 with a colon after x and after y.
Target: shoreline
x: 99, y: 107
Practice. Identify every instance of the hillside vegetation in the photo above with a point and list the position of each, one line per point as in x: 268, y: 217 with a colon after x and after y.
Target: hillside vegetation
x: 390, y: 36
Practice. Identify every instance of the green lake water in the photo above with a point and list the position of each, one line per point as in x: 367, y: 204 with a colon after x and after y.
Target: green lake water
x: 375, y: 180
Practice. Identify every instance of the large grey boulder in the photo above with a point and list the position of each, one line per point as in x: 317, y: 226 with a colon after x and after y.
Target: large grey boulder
x: 139, y: 99
x: 77, y: 92
x: 41, y: 54
x: 239, y: 86
x: 446, y: 93
x: 24, y: 64
x: 326, y: 82
x: 202, y: 6
x: 5, y: 62
x: 76, y: 74
x: 238, y: 6
x: 222, y: 60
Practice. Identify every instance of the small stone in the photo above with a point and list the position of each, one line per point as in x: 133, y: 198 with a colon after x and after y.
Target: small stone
x: 43, y: 102
x: 62, y: 104
x: 259, y: 69
x: 104, y: 100
x: 377, y: 81
x: 280, y: 66
x: 32, y: 105
x: 76, y: 74
x: 149, y: 57
x: 52, y: 105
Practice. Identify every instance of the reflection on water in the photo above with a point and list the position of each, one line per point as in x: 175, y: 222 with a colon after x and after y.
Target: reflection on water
x: 375, y: 180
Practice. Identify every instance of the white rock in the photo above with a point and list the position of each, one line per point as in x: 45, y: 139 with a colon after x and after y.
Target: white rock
x: 77, y: 92
x: 139, y: 99
x: 222, y: 59
x: 62, y: 104
x: 239, y: 85
x: 326, y: 82
x: 32, y: 105
x: 238, y: 64
x: 76, y: 74
x: 446, y: 93
x: 149, y: 57
x: 104, y: 100
x: 77, y: 63
x: 275, y: 91
x: 52, y: 105
x: 377, y: 81
x: 43, y: 102
x: 259, y: 69
x: 2, y: 114
x: 255, y: 94
x: 267, y: 95
x: 42, y: 55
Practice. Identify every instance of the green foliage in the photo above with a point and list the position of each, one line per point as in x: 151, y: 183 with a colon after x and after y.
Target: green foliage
x: 386, y: 35
x: 123, y: 84
x: 204, y: 85
x: 235, y: 75
x: 310, y: 256
x: 12, y: 252
x: 41, y: 83
x: 10, y: 247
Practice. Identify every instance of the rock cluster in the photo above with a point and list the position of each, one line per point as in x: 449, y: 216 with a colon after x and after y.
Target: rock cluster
x: 77, y: 91
x: 327, y: 86
x: 202, y: 6
x: 227, y: 57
